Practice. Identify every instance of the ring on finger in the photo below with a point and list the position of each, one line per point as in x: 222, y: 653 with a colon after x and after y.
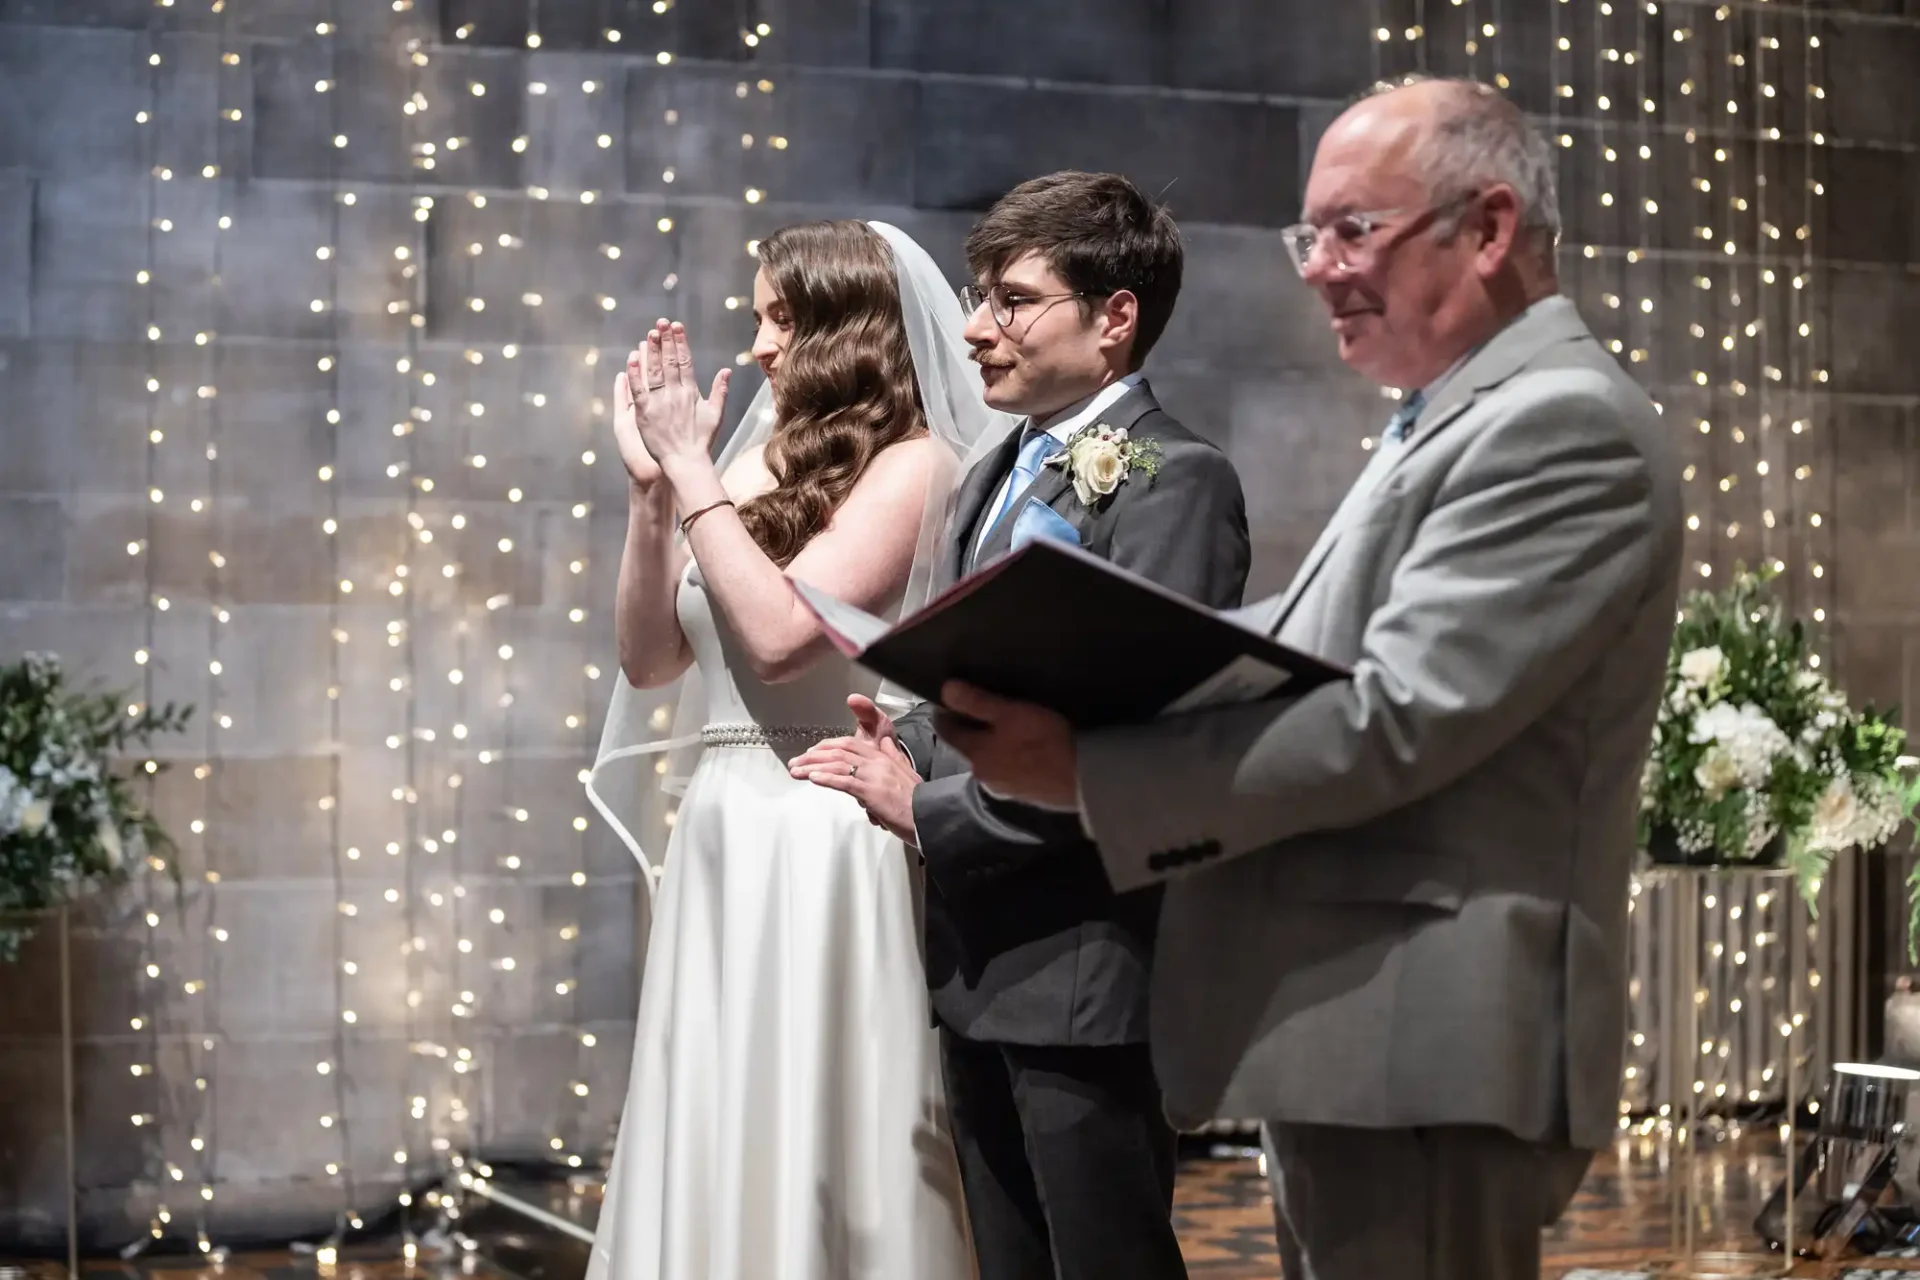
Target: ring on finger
x: 853, y: 771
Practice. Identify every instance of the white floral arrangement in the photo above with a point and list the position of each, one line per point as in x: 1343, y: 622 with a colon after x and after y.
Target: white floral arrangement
x: 1100, y: 458
x: 68, y: 821
x: 1756, y: 757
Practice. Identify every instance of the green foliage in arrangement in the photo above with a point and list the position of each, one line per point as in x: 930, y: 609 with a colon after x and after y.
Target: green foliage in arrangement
x: 68, y: 820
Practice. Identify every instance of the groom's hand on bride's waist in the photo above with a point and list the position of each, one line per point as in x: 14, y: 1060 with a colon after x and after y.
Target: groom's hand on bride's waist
x: 873, y: 770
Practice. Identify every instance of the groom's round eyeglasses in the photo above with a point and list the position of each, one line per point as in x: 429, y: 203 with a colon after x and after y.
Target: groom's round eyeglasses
x: 1008, y: 305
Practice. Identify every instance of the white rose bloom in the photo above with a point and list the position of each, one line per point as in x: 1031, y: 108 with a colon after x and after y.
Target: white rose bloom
x: 1850, y: 817
x: 1717, y: 773
x: 34, y: 816
x: 1702, y: 667
x: 1098, y: 469
x: 1834, y: 815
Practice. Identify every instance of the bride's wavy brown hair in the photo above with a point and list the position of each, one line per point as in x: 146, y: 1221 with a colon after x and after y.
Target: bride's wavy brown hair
x: 846, y: 388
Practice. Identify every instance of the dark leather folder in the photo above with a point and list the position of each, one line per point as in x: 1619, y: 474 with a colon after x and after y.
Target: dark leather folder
x: 1055, y: 625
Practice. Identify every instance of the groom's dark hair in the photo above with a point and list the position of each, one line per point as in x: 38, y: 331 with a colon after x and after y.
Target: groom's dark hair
x: 1099, y: 233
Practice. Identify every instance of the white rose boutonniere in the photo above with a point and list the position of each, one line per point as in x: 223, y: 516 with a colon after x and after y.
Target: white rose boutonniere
x: 1101, y: 458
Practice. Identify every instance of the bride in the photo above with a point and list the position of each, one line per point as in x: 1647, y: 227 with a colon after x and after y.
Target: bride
x: 785, y: 1119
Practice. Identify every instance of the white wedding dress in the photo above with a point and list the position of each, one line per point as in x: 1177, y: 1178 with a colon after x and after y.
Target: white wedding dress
x: 785, y: 1119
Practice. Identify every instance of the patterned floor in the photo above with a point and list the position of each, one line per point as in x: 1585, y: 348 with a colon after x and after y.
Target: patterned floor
x: 1615, y: 1228
x: 1617, y: 1224
x: 272, y: 1265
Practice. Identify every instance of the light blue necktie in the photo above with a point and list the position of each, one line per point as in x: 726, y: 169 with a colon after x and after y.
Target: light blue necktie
x: 1035, y: 449
x: 1400, y: 426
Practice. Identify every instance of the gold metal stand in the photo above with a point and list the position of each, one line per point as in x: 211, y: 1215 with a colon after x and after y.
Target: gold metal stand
x: 1682, y: 1004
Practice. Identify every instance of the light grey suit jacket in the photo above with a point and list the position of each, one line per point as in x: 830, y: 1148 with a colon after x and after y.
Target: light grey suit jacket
x: 1400, y: 900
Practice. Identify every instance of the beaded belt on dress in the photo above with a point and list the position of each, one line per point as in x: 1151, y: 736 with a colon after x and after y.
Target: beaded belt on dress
x: 767, y: 735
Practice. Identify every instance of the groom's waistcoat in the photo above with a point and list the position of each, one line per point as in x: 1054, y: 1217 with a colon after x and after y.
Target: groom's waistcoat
x: 1027, y: 943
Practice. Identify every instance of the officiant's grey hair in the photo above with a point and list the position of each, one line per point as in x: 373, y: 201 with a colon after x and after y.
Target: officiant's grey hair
x: 1478, y: 136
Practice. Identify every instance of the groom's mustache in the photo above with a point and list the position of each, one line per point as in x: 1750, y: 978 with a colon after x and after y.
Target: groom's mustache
x: 980, y: 358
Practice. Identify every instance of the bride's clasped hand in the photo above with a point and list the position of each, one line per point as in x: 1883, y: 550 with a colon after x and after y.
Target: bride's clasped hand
x: 665, y: 422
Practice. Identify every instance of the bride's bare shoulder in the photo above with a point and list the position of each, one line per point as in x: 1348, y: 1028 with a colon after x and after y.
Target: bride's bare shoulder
x: 908, y: 462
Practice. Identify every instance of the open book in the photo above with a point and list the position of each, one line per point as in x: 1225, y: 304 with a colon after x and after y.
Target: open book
x: 1054, y: 625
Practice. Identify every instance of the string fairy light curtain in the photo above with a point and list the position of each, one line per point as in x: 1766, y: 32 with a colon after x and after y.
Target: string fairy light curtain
x: 1733, y: 259
x: 392, y: 256
x: 1691, y: 139
x: 176, y: 1033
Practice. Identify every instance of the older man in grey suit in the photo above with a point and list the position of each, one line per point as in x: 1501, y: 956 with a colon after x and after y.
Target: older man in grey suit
x: 1395, y: 921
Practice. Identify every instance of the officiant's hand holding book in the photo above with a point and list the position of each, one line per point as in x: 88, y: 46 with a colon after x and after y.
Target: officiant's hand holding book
x: 1054, y: 625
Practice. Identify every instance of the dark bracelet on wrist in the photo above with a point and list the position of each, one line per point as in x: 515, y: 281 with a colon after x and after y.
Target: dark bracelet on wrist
x: 687, y: 523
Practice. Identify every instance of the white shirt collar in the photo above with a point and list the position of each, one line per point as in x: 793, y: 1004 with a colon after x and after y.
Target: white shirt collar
x: 1077, y: 416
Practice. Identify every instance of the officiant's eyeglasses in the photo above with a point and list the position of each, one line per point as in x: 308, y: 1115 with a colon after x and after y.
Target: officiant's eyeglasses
x: 1008, y: 305
x: 1349, y: 238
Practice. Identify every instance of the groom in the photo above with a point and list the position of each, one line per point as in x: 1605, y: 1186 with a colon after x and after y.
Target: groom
x: 1038, y: 968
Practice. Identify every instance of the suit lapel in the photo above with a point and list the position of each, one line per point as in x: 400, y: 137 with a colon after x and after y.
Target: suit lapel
x: 1378, y: 467
x: 1548, y: 323
x: 1130, y: 408
x: 970, y: 506
x: 1329, y: 535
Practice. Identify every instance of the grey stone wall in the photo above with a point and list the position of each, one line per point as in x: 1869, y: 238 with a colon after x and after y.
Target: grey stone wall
x: 918, y: 111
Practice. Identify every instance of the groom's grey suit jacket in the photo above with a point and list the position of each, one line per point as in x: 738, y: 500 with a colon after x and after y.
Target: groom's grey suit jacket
x: 1400, y: 900
x: 1027, y: 943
